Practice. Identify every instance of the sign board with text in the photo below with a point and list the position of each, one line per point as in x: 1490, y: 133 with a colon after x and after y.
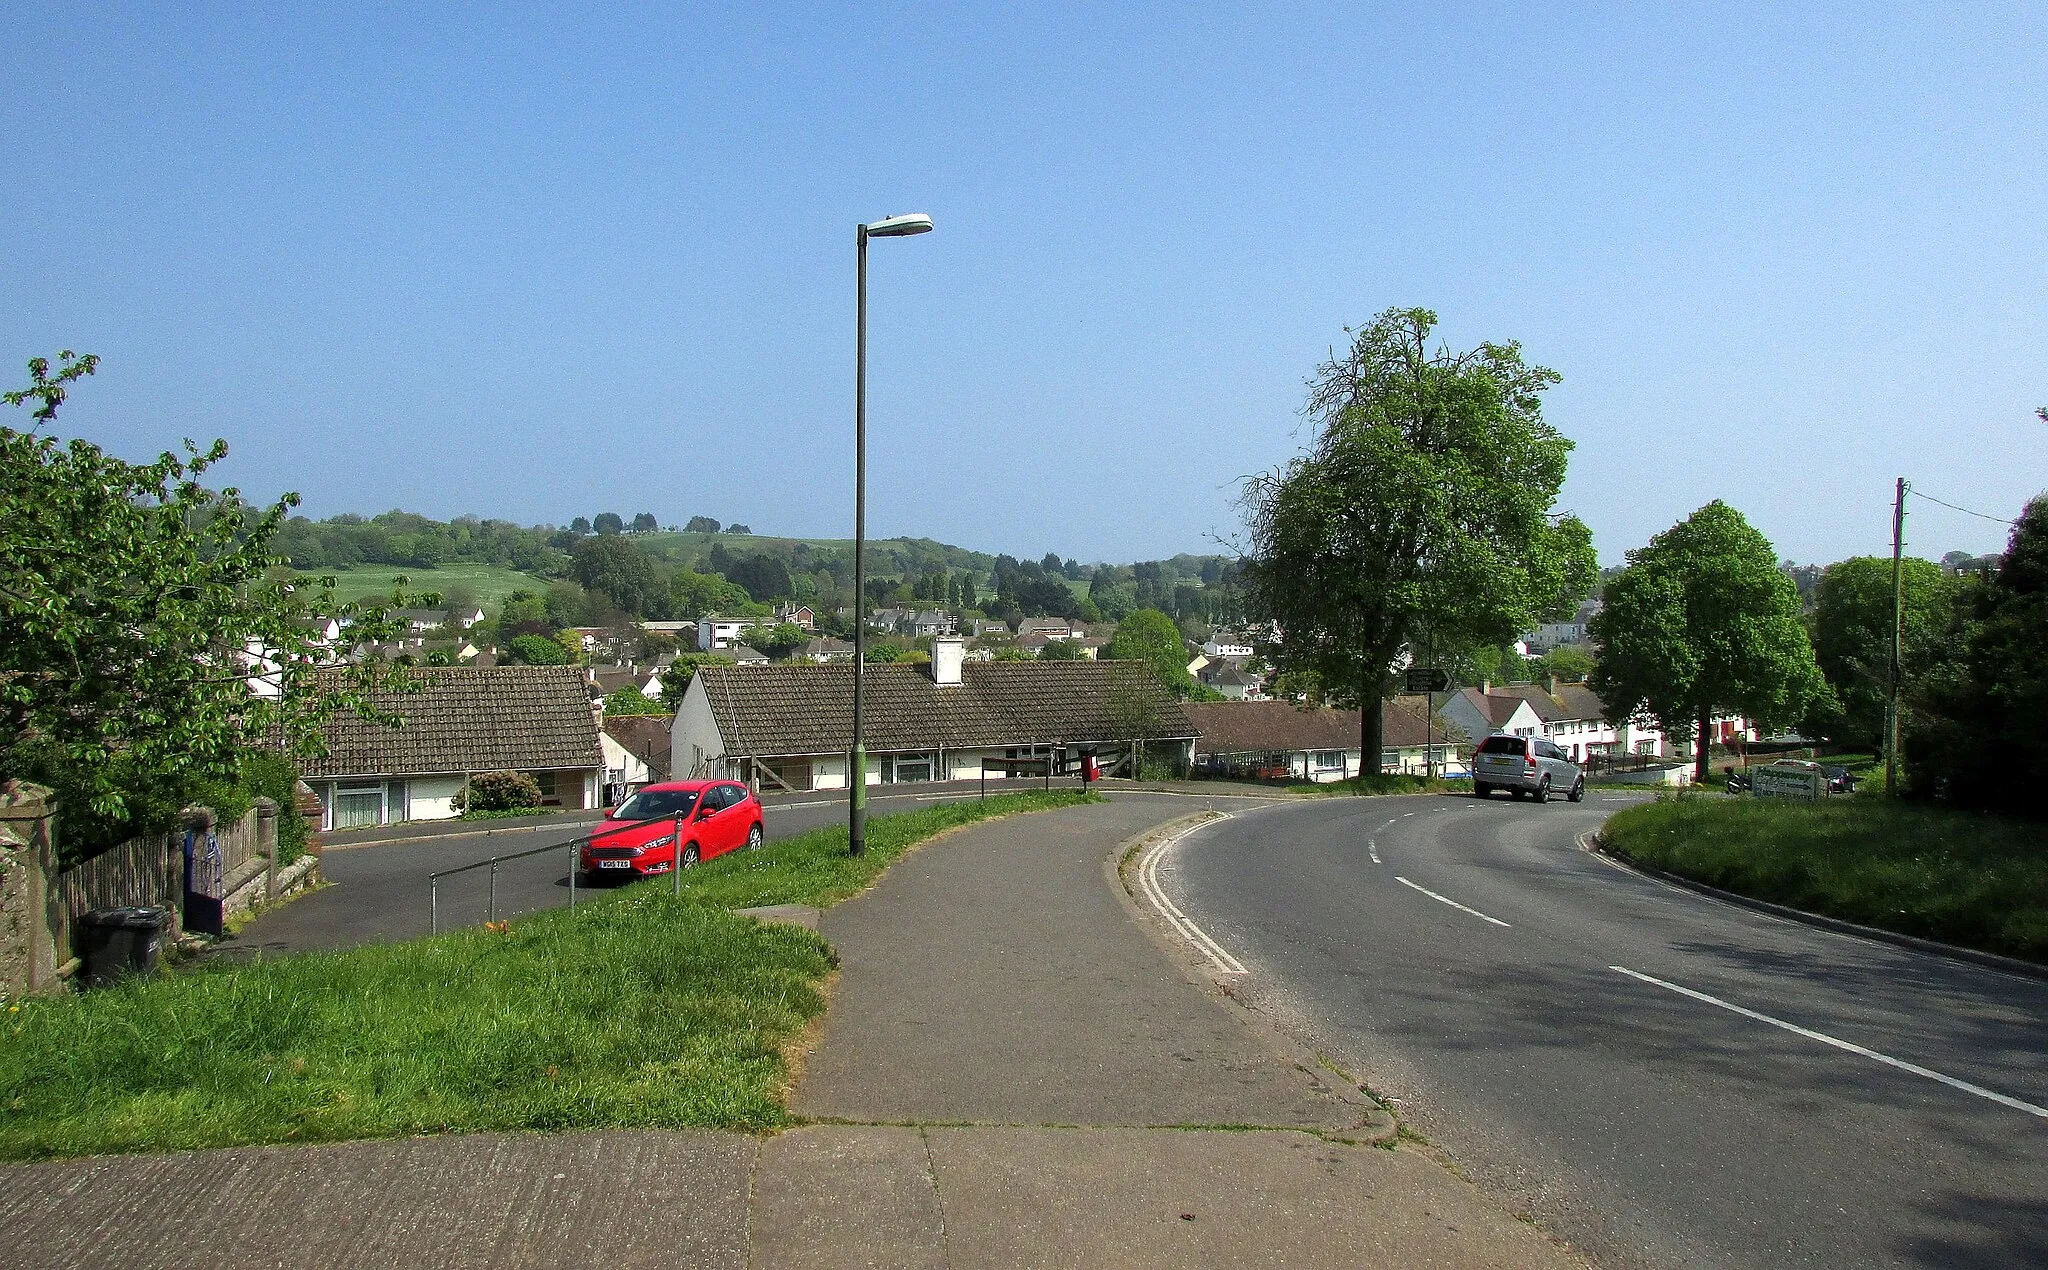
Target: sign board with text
x: 1428, y: 679
x: 1788, y: 780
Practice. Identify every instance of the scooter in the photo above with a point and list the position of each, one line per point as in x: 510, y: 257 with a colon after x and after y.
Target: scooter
x: 1737, y: 782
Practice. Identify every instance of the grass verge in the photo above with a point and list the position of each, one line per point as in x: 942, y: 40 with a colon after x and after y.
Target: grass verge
x: 1960, y: 877
x: 638, y: 1009
x: 1373, y: 784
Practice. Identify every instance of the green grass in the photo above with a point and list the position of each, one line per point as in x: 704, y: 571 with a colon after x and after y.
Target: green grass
x: 1960, y: 877
x: 635, y: 1009
x: 490, y: 583
x: 1373, y: 784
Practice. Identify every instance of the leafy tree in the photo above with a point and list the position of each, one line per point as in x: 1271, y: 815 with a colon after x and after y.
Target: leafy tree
x: 609, y: 523
x: 1087, y: 611
x: 1977, y: 734
x: 1010, y: 652
x: 645, y: 523
x: 632, y: 701
x: 536, y: 650
x: 580, y: 526
x: 1702, y: 621
x: 1114, y: 599
x: 1421, y: 515
x: 1047, y: 597
x: 1151, y: 637
x: 693, y: 595
x: 136, y: 609
x: 522, y: 606
x: 779, y: 640
x: 1567, y: 665
x: 701, y: 525
x: 737, y: 529
x: 675, y: 681
x: 1852, y: 638
x: 1062, y: 650
x: 617, y: 568
x: 763, y: 576
x: 885, y: 654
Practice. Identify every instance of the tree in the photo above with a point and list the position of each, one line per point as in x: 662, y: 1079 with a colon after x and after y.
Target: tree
x: 763, y: 576
x: 737, y: 529
x: 1977, y: 735
x: 701, y: 525
x: 632, y: 701
x: 1702, y: 621
x: 1421, y: 515
x: 693, y: 595
x: 618, y: 569
x: 1061, y: 650
x: 645, y: 523
x: 779, y: 640
x: 1151, y: 637
x: 608, y: 523
x: 137, y: 607
x: 1567, y: 664
x: 535, y: 650
x: 580, y: 526
x: 1852, y: 638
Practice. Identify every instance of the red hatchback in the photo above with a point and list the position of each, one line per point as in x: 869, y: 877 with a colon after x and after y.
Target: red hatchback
x: 716, y: 817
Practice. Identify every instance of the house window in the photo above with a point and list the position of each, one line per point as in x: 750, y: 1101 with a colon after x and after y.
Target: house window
x: 1329, y: 760
x: 358, y: 806
x: 546, y: 781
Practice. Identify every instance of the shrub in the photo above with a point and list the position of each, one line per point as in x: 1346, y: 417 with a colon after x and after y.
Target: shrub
x: 537, y: 650
x: 499, y: 791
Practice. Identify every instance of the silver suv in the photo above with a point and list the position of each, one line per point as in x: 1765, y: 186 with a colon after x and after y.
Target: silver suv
x: 1525, y: 765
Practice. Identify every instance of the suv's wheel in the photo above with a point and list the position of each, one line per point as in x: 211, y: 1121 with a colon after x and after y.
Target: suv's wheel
x: 690, y: 856
x: 1543, y: 790
x: 1578, y: 794
x: 1480, y: 791
x: 754, y: 837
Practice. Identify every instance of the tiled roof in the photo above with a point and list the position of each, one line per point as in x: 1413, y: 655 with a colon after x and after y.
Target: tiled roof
x: 808, y: 709
x: 644, y: 735
x: 1252, y: 727
x: 470, y: 719
x: 1495, y: 707
x: 1547, y: 708
x: 1581, y: 702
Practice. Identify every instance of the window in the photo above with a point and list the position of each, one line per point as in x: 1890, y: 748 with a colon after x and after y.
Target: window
x: 358, y: 806
x: 652, y: 804
x: 1503, y: 745
x: 546, y: 781
x: 1329, y: 760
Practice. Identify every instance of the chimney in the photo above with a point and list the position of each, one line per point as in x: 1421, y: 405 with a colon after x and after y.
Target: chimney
x: 1485, y: 687
x: 948, y: 651
x: 1553, y: 685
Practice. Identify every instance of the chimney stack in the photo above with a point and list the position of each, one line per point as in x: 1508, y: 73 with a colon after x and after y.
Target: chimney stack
x: 948, y: 652
x: 1485, y: 687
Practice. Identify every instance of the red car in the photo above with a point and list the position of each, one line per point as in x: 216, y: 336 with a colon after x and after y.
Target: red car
x: 717, y: 817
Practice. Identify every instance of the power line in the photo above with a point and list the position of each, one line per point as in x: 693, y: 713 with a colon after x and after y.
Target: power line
x: 1996, y: 520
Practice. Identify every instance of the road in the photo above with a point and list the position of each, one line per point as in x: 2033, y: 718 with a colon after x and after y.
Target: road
x: 1574, y: 1036
x: 380, y: 892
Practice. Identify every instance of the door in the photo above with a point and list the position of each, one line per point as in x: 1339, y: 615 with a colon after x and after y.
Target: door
x: 722, y: 830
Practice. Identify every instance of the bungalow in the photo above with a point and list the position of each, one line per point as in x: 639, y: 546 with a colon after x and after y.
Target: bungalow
x: 1281, y: 740
x: 928, y: 622
x: 636, y: 753
x: 790, y: 726
x: 1051, y: 627
x: 745, y: 655
x: 606, y: 680
x: 1231, y: 680
x: 463, y: 720
x: 823, y: 649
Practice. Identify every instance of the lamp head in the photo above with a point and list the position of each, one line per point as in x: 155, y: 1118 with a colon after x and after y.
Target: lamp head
x: 900, y: 226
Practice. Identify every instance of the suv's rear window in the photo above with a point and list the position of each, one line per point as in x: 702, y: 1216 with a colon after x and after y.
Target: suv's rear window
x: 1504, y: 745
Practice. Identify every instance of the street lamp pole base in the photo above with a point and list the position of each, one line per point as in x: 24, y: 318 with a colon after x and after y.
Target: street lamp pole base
x: 857, y: 800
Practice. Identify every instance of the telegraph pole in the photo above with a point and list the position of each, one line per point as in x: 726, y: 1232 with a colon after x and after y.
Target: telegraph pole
x: 1891, y: 750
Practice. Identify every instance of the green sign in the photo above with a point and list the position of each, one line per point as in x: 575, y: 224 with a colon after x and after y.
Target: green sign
x: 1788, y: 780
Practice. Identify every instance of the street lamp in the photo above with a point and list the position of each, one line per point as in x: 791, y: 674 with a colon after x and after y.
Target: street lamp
x: 857, y: 760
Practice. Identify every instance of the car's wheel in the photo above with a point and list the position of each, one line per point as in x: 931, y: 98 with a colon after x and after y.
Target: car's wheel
x: 1543, y: 790
x: 1517, y: 794
x: 754, y: 836
x: 1578, y: 794
x: 690, y: 856
x: 1481, y: 791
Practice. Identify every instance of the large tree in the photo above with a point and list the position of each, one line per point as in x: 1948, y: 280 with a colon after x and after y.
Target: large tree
x: 144, y: 645
x: 1421, y: 518
x: 1151, y: 637
x: 616, y: 568
x: 1702, y: 622
x: 1977, y: 735
x: 1852, y: 638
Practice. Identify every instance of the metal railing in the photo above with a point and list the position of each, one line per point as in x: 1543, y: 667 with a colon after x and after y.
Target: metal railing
x: 575, y: 848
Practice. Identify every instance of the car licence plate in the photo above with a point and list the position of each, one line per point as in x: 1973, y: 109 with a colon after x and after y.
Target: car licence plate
x: 614, y: 864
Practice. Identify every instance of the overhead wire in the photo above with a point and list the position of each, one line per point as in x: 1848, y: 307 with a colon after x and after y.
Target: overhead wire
x: 1996, y: 520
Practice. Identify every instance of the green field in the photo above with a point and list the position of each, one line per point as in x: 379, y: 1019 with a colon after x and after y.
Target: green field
x: 490, y: 583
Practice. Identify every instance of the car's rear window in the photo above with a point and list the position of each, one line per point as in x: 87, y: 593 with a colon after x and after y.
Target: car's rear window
x: 651, y: 804
x: 1503, y: 745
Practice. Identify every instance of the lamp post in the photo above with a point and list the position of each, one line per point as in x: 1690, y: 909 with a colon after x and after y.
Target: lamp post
x: 857, y: 760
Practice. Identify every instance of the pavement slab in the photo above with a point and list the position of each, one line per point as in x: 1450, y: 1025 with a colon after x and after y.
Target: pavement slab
x: 848, y: 1195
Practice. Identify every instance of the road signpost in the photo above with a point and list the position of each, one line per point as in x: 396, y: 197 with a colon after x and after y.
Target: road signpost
x: 1427, y: 680
x: 1797, y: 781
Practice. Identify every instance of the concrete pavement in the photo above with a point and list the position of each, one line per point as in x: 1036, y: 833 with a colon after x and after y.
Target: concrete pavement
x: 1007, y: 1077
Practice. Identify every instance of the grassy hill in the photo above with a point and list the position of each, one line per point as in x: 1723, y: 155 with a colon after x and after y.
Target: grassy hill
x: 488, y: 582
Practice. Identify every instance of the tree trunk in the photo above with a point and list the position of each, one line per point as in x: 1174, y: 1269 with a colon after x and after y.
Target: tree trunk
x: 1700, y: 744
x: 1371, y: 730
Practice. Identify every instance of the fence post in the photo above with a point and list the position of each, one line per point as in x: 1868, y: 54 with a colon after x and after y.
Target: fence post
x: 266, y: 842
x: 575, y: 860
x: 675, y: 859
x: 494, y: 893
x: 433, y: 905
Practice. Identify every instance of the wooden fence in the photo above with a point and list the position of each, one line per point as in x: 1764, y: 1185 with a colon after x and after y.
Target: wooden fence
x: 146, y: 872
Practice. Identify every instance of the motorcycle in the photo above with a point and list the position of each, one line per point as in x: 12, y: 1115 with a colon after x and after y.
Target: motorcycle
x: 1737, y: 782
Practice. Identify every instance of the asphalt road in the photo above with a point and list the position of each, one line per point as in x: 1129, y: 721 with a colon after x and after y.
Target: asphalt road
x: 1525, y: 1005
x: 379, y: 892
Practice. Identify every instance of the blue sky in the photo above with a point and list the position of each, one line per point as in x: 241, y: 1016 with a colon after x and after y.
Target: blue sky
x: 538, y: 264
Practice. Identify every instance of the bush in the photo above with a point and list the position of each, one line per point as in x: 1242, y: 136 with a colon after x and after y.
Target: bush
x: 537, y: 650
x: 499, y: 791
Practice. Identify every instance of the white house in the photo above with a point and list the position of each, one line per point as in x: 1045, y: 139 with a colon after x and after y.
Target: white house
x: 790, y: 725
x: 636, y: 752
x: 1220, y: 646
x: 1481, y: 712
x: 1279, y: 740
x: 715, y: 634
x: 1569, y: 715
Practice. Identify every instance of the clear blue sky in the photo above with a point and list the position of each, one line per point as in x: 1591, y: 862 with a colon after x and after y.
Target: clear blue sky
x: 541, y: 264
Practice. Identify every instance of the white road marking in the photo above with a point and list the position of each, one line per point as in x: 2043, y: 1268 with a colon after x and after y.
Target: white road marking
x: 1448, y: 900
x: 1372, y: 849
x: 1404, y: 816
x: 1840, y: 1044
x: 1148, y: 881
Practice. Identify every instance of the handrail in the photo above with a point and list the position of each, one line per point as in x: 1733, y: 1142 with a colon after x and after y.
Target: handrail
x: 574, y: 846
